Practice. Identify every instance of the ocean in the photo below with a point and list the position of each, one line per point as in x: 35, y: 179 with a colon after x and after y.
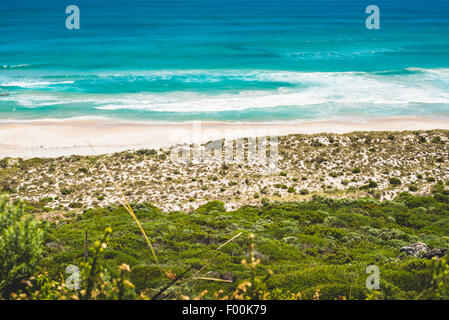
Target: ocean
x: 223, y: 60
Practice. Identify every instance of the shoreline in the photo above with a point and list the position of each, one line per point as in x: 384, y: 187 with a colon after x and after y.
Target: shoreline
x: 52, y: 139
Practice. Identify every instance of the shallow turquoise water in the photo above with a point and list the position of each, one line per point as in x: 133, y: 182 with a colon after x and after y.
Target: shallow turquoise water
x: 223, y: 60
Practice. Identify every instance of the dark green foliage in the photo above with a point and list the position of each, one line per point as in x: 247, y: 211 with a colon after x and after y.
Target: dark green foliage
x: 422, y: 139
x: 4, y: 163
x: 143, y: 277
x: 65, y: 191
x: 83, y: 170
x: 316, y: 143
x: 146, y: 152
x: 356, y: 170
x: 395, y: 181
x: 325, y: 232
x: 372, y: 184
x: 7, y: 189
x: 21, y: 246
x: 437, y: 139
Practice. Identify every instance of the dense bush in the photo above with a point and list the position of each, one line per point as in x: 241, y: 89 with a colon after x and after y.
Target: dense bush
x: 21, y: 246
x: 395, y: 181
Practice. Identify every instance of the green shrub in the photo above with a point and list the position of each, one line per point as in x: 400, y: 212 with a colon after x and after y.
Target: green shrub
x: 325, y: 231
x: 395, y: 181
x: 211, y: 207
x: 7, y: 189
x: 144, y: 277
x: 75, y: 205
x: 437, y: 139
x: 66, y: 191
x: 21, y: 246
x: 83, y: 170
x: 4, y: 163
x: 146, y: 152
x: 372, y: 184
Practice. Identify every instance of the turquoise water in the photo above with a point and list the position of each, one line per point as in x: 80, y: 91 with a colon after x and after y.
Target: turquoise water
x: 223, y: 60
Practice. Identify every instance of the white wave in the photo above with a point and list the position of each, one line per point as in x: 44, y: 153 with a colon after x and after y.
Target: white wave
x: 31, y: 84
x: 317, y: 88
x: 313, y: 88
x: 249, y: 75
x: 17, y: 66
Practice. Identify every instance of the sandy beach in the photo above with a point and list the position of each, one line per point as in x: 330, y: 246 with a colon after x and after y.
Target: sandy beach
x: 63, y: 138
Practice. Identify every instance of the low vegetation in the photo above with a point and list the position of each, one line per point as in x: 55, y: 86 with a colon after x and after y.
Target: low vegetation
x: 318, y: 248
x: 352, y: 165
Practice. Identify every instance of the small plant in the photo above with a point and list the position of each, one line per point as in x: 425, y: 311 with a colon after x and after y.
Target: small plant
x: 356, y: 170
x: 437, y: 139
x: 65, y: 191
x: 146, y: 152
x: 372, y: 184
x: 395, y: 181
x: 316, y: 144
x: 4, y: 163
x: 83, y: 170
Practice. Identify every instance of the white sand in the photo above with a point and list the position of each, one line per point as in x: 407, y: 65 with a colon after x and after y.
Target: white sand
x: 63, y: 138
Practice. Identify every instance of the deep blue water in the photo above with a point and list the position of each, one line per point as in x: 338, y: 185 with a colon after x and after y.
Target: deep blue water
x: 223, y: 60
